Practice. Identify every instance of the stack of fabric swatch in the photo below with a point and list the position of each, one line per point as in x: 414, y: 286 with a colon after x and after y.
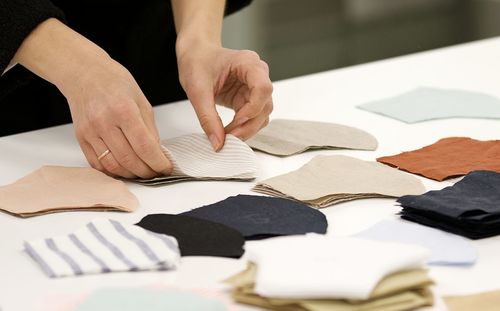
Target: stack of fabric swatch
x: 193, y: 158
x: 469, y: 208
x: 317, y: 272
x: 327, y: 180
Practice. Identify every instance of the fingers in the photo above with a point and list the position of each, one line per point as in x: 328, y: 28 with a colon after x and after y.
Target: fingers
x: 124, y: 154
x: 250, y: 118
x: 146, y: 147
x: 108, y: 162
x: 201, y: 95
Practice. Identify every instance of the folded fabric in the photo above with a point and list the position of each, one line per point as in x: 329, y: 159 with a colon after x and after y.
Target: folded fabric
x: 139, y: 299
x: 259, y: 217
x: 193, y: 158
x: 469, y: 208
x: 446, y: 249
x: 449, y: 157
x: 328, y: 180
x: 102, y: 246
x: 56, y: 188
x: 317, y: 266
x: 405, y: 290
x: 197, y: 237
x: 287, y: 137
x: 427, y: 103
x: 488, y: 301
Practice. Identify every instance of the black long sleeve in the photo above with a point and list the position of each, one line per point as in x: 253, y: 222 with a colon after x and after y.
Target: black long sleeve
x: 18, y: 18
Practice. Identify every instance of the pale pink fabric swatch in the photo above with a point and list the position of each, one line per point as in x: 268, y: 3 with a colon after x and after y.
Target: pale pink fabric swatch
x: 57, y: 188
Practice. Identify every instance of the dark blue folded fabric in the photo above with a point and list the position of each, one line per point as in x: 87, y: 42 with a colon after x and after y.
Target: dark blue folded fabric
x: 197, y: 237
x: 470, y: 208
x: 259, y: 217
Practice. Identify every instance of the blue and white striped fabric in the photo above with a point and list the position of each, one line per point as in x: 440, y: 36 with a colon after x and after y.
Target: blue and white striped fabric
x: 102, y: 246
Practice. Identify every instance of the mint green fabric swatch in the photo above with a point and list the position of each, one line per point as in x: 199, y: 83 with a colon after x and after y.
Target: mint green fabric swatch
x: 424, y: 103
x: 141, y: 299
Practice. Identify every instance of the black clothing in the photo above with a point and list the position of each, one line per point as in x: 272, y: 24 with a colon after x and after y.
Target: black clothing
x: 138, y: 34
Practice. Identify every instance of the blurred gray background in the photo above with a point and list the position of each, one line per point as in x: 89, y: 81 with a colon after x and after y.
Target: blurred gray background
x: 297, y: 37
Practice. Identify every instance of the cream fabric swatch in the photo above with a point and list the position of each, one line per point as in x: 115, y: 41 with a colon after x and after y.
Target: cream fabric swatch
x: 56, y: 188
x: 404, y: 290
x: 193, y: 158
x: 328, y: 180
x: 287, y: 137
x: 315, y: 266
x: 488, y: 301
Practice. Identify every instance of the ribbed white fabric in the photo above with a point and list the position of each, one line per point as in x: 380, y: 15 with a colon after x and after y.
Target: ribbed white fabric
x: 103, y: 246
x: 193, y: 158
x: 319, y: 266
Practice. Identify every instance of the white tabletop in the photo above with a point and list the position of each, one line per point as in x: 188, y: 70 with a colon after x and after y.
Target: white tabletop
x: 329, y: 96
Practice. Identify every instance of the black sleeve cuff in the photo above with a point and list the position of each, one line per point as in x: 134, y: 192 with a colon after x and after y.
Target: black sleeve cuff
x: 18, y: 18
x: 235, y: 5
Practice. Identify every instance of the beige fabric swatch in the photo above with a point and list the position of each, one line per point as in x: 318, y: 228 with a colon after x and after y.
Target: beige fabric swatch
x: 56, y: 188
x: 193, y: 158
x: 327, y: 180
x: 287, y: 137
x: 404, y: 290
x: 488, y: 301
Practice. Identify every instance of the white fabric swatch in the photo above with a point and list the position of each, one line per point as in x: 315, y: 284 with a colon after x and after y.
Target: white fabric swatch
x: 319, y: 266
x: 446, y: 248
x: 102, y: 246
x: 193, y: 158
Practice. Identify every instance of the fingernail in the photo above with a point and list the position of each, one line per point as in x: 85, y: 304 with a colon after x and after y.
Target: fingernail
x: 214, y: 141
x: 242, y: 120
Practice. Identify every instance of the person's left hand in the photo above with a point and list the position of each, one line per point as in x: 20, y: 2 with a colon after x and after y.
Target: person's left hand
x: 236, y: 79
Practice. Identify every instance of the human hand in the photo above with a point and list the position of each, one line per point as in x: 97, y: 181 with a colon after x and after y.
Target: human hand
x: 238, y: 80
x: 109, y: 110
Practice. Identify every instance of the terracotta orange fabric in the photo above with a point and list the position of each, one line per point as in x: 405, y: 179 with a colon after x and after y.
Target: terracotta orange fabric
x: 449, y: 157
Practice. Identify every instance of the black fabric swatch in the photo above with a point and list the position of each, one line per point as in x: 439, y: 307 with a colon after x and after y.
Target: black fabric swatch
x: 259, y: 217
x: 470, y: 208
x: 197, y: 237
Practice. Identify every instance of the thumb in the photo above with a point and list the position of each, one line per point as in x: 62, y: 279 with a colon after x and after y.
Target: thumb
x: 202, y: 98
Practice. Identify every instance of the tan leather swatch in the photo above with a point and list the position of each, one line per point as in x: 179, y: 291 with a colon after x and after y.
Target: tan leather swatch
x: 404, y: 290
x: 448, y: 157
x: 56, y: 188
x: 327, y: 180
x: 287, y: 137
x: 488, y: 301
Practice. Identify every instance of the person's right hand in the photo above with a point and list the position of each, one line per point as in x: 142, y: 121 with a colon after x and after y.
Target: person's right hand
x: 109, y: 110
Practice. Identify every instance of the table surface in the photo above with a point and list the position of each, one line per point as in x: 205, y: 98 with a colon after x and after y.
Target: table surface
x: 329, y: 96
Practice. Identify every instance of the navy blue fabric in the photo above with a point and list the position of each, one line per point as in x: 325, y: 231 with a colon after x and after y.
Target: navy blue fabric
x: 197, y: 237
x: 470, y: 208
x: 259, y: 217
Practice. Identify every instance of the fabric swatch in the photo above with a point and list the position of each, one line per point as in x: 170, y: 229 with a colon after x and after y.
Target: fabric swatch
x: 449, y: 157
x: 139, y: 299
x: 469, y: 208
x: 197, y: 237
x: 406, y: 290
x: 193, y: 158
x: 56, y: 188
x: 427, y: 103
x: 103, y: 246
x: 259, y: 217
x: 488, y: 301
x: 317, y: 266
x: 446, y: 249
x: 287, y: 137
x: 328, y: 180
